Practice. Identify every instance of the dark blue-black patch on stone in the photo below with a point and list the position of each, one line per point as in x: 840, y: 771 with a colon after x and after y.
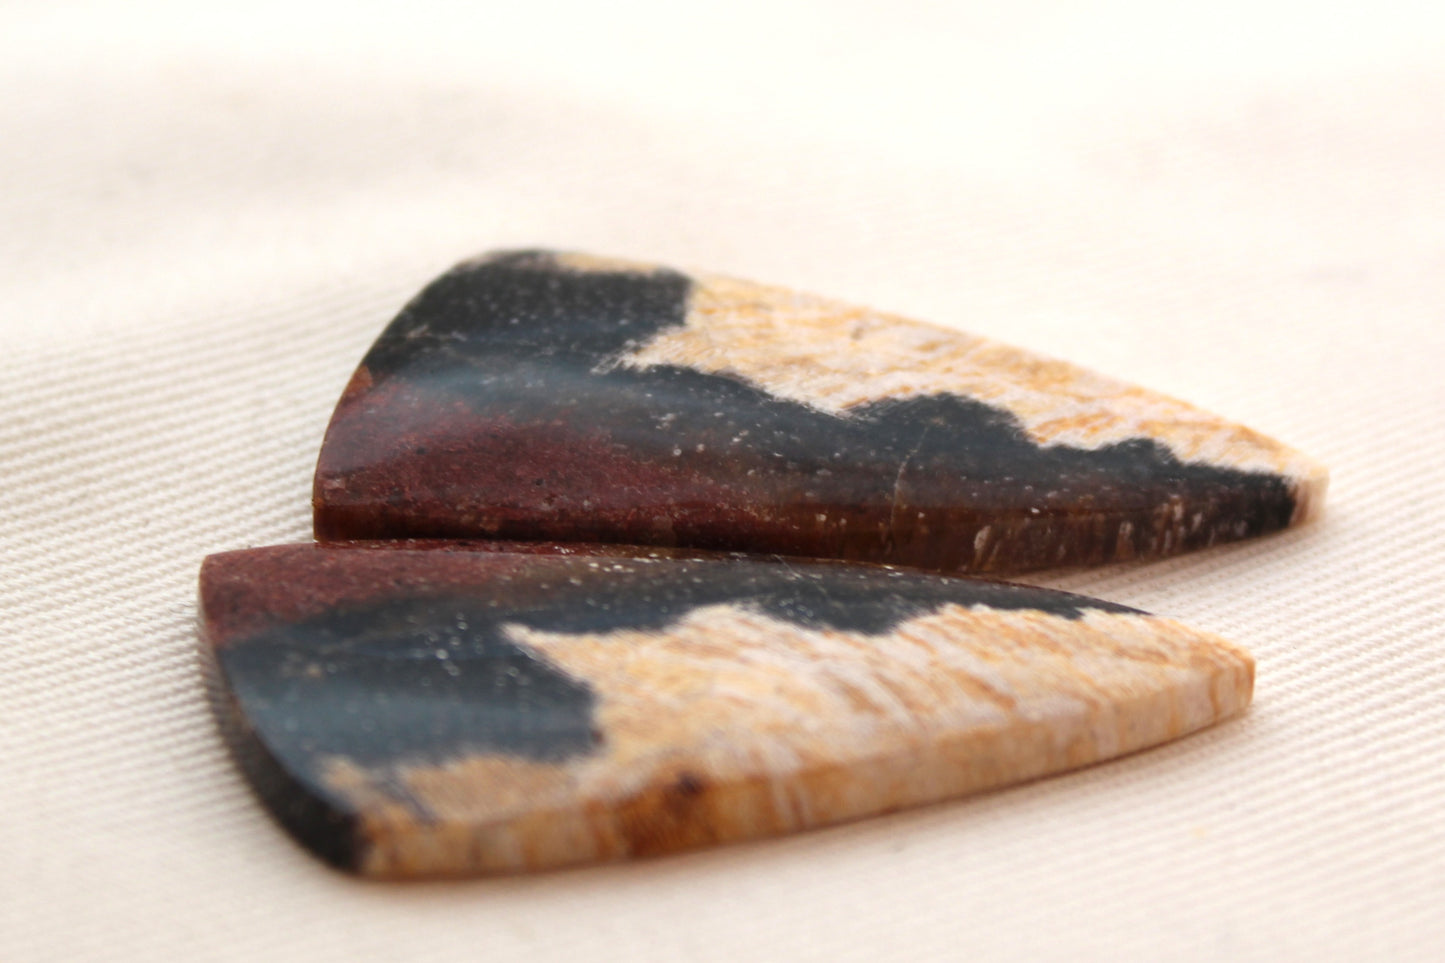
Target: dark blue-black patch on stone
x: 525, y: 305
x: 421, y: 679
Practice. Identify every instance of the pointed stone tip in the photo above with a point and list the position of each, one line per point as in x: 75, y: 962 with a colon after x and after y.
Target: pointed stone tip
x: 1229, y: 674
x: 1306, y: 479
x: 1309, y: 490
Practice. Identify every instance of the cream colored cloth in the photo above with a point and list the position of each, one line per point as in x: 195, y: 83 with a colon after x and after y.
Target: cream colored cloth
x: 206, y: 215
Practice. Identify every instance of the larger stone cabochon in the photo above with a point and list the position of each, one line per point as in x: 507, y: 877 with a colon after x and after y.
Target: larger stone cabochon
x: 545, y: 396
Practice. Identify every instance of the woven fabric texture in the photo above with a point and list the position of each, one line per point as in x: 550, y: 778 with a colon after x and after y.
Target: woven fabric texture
x: 206, y: 215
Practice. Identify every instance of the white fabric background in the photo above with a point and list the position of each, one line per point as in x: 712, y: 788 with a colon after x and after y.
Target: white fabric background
x: 207, y: 214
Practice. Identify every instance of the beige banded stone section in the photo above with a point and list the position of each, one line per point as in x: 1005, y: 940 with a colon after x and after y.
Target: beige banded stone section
x: 834, y: 357
x: 731, y: 725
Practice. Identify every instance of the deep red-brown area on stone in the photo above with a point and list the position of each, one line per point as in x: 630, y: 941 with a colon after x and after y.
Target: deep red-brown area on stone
x: 446, y: 471
x: 250, y: 590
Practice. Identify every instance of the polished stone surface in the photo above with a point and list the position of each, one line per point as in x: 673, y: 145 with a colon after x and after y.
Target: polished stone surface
x: 544, y: 396
x: 411, y: 710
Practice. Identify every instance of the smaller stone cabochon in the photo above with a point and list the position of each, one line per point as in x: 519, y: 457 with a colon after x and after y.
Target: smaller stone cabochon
x: 587, y: 708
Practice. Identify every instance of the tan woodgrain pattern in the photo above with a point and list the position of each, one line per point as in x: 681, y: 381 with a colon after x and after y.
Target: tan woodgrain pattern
x: 834, y: 356
x: 731, y: 725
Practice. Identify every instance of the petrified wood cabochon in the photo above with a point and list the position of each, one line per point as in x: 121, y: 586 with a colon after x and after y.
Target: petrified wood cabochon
x: 533, y: 395
x: 419, y: 711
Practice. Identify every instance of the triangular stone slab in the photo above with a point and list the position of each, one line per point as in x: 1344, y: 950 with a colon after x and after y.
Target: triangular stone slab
x: 411, y: 712
x: 547, y: 396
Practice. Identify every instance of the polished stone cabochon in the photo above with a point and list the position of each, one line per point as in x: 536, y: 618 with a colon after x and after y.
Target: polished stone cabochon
x: 414, y: 710
x: 555, y: 397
